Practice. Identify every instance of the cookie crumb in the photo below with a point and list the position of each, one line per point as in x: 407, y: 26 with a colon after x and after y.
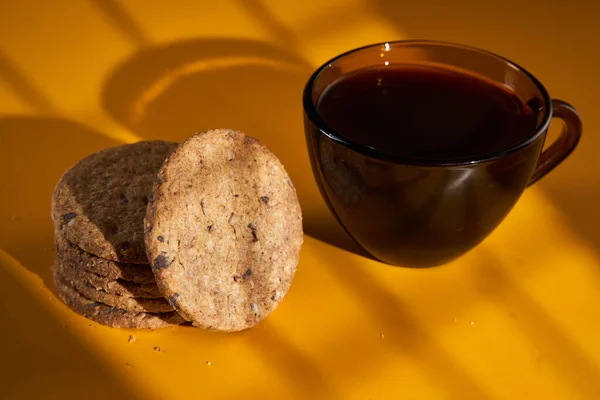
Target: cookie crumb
x: 208, y: 363
x: 472, y: 322
x: 454, y: 319
x: 128, y: 365
x: 156, y: 348
x: 65, y: 326
x: 381, y: 335
x: 131, y: 339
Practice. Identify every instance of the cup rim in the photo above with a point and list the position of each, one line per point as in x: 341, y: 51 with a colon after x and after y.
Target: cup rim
x: 313, y: 114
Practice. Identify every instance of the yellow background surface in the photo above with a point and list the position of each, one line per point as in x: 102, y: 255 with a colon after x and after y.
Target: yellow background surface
x: 516, y: 318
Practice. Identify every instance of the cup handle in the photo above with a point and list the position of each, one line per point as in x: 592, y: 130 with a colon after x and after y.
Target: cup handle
x: 564, y: 145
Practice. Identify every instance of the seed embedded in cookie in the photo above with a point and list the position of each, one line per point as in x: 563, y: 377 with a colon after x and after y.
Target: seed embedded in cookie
x: 223, y: 230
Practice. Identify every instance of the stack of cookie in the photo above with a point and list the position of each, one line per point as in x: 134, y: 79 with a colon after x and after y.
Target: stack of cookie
x: 101, y: 270
x: 153, y: 234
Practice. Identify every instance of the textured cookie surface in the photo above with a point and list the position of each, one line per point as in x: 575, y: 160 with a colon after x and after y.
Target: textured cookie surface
x: 118, y: 287
x: 136, y: 304
x: 223, y: 230
x: 110, y: 270
x: 99, y: 204
x: 111, y: 316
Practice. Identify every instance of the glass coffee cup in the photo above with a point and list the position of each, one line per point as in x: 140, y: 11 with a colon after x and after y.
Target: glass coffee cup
x: 420, y: 149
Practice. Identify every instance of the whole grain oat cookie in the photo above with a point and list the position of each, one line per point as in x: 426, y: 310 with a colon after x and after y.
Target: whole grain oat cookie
x: 118, y: 287
x: 112, y: 316
x: 126, y: 303
x: 99, y: 204
x: 223, y: 230
x: 110, y: 270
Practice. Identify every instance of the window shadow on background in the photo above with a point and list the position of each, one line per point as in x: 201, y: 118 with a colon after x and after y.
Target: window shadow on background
x: 558, y: 350
x: 17, y: 82
x: 121, y: 20
x: 64, y: 366
x: 35, y: 152
x: 408, y: 336
x: 303, y: 374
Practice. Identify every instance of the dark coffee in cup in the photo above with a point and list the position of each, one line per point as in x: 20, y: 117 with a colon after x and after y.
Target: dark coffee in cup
x: 425, y: 112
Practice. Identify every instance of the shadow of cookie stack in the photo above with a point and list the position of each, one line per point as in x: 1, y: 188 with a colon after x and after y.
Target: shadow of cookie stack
x: 101, y: 270
x: 153, y: 234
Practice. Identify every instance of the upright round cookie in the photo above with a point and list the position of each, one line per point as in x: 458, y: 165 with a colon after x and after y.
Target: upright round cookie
x: 223, y: 230
x: 99, y: 204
